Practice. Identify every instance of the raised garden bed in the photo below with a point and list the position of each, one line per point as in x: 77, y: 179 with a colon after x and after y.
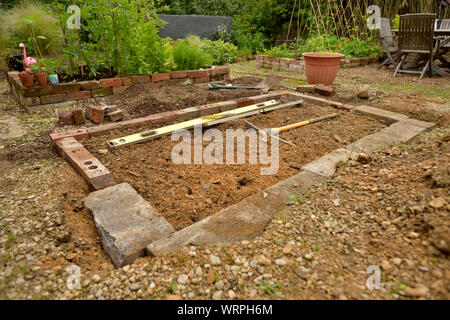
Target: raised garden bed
x: 37, y: 96
x: 293, y: 65
x: 218, y: 203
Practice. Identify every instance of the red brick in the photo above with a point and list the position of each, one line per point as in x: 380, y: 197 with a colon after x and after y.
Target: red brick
x: 102, y: 92
x: 65, y: 118
x: 117, y: 90
x: 162, y: 118
x: 112, y: 82
x: 160, y: 77
x: 226, y: 105
x: 198, y: 73
x: 222, y: 70
x: 89, y: 85
x: 208, y: 109
x: 78, y: 116
x: 178, y: 74
x: 30, y: 101
x: 54, y: 98
x: 325, y: 90
x: 201, y: 80
x: 154, y: 84
x: 105, y: 128
x: 244, y: 102
x: 140, y: 79
x: 95, y: 114
x: 76, y: 134
x: 90, y: 168
x: 102, y: 182
x: 49, y: 90
x: 80, y: 95
x: 294, y: 61
x: 126, y: 81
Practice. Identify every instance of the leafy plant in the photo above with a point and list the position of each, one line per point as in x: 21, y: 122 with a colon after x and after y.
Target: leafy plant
x: 221, y: 52
x: 188, y: 55
x: 269, y: 289
x: 44, y: 24
x: 296, y: 198
x: 281, y: 51
x: 351, y: 48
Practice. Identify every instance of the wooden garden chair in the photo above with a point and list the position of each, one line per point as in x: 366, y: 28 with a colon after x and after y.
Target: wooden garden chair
x: 415, y: 35
x: 389, y: 43
x: 444, y: 43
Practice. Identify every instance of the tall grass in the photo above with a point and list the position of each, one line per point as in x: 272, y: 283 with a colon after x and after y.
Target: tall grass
x: 45, y: 26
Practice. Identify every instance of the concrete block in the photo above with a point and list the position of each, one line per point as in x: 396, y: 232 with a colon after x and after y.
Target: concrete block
x: 400, y: 132
x: 125, y: 222
x: 387, y: 117
x: 326, y: 165
x: 242, y: 221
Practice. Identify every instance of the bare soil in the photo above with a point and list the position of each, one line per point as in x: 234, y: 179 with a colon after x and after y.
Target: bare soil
x: 185, y: 194
x: 142, y: 100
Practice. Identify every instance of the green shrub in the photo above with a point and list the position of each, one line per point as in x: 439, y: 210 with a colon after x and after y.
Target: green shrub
x: 280, y: 51
x: 45, y: 27
x: 351, y: 48
x: 221, y: 52
x: 188, y: 54
x: 252, y: 43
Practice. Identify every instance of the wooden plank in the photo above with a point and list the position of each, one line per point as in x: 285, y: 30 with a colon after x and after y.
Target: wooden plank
x: 205, y: 121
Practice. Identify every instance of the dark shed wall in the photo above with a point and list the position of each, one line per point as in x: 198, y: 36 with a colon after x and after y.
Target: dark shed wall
x: 180, y: 26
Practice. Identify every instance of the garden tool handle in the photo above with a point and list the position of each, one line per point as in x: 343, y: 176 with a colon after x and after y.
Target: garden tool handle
x: 303, y: 123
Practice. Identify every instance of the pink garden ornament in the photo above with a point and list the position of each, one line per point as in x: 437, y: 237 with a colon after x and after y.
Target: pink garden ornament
x: 27, y: 61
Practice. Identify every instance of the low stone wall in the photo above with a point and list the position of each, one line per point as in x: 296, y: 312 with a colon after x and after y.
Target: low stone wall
x: 293, y: 65
x: 37, y: 96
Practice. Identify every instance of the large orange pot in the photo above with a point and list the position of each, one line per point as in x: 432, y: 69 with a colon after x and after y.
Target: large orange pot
x: 322, y: 68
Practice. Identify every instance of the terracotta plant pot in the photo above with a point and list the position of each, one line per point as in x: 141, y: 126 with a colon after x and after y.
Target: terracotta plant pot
x: 27, y: 79
x: 42, y: 78
x: 322, y: 68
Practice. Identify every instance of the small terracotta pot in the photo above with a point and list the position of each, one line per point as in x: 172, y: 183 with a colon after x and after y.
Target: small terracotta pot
x: 27, y: 79
x: 322, y: 68
x: 42, y: 78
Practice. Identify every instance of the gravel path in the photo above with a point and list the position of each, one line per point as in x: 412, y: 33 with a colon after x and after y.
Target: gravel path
x: 390, y: 212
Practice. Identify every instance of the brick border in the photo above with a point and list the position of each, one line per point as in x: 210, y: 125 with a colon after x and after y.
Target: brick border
x: 40, y: 96
x: 259, y: 209
x: 293, y: 65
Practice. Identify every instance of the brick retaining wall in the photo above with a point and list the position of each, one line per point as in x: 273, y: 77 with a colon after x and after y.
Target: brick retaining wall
x: 293, y: 65
x: 32, y: 98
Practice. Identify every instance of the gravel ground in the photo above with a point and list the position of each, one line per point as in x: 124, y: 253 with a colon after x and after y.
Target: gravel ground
x: 391, y: 211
